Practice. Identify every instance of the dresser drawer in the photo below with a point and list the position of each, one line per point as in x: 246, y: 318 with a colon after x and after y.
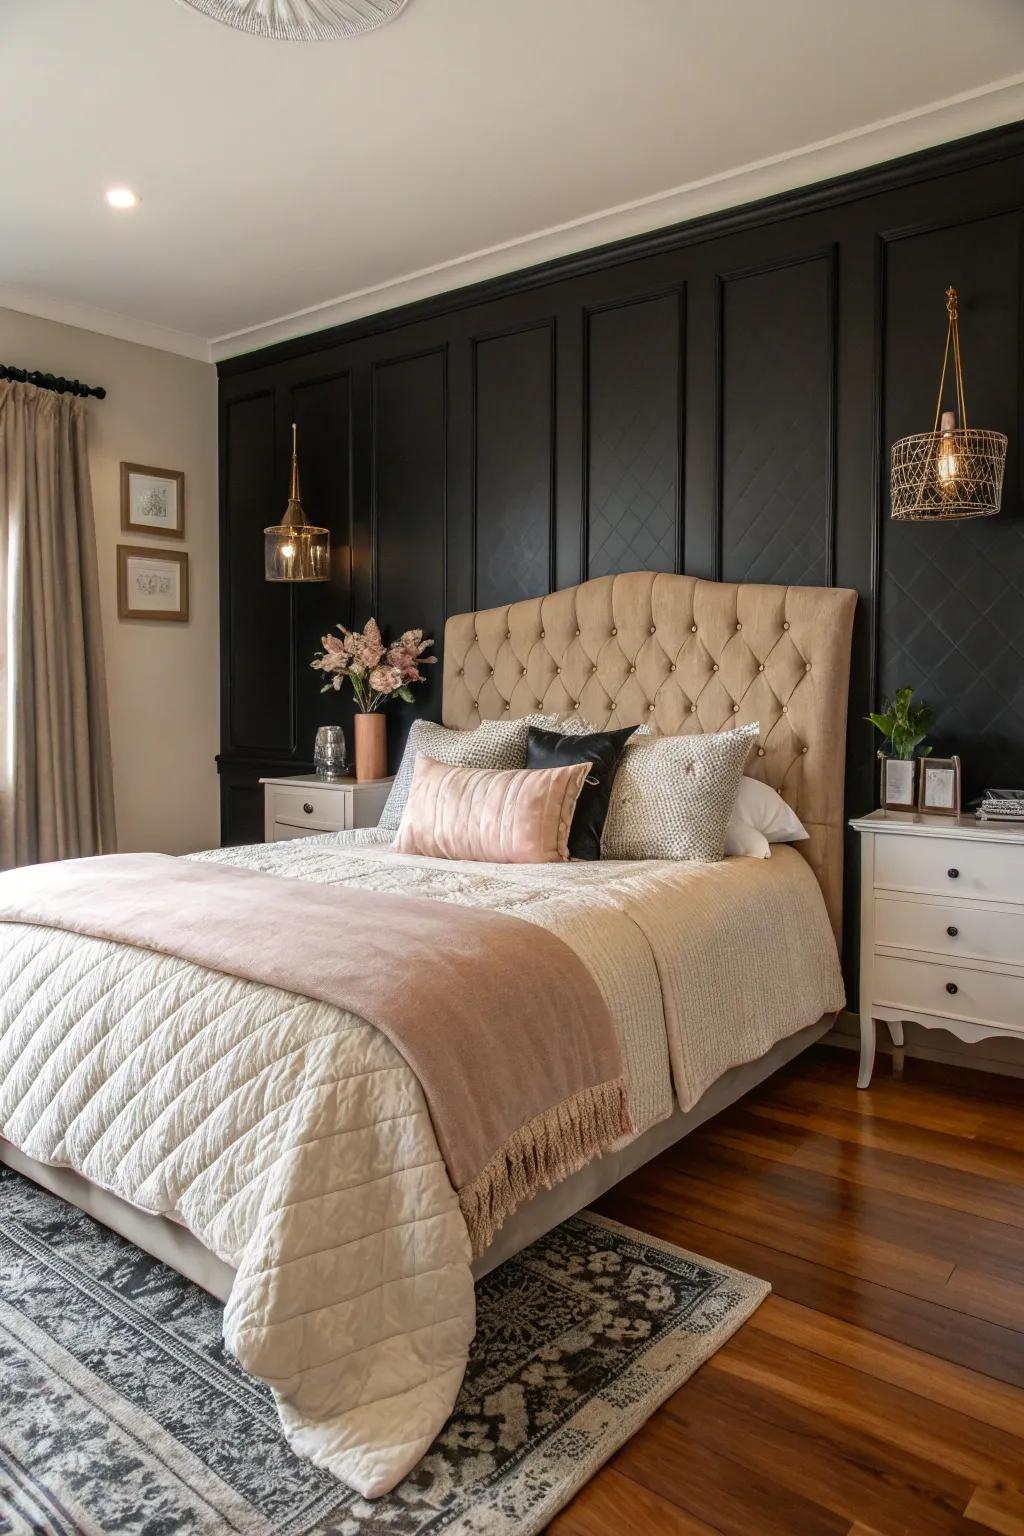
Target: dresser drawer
x: 282, y: 832
x: 920, y: 986
x: 305, y: 805
x: 950, y: 931
x: 961, y: 867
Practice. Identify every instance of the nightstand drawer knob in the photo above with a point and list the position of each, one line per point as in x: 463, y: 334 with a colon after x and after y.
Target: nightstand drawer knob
x: 952, y: 988
x: 952, y: 931
x: 307, y: 808
x: 954, y: 874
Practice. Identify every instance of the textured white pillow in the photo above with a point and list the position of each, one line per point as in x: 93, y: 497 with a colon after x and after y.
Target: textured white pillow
x: 493, y: 744
x: 762, y: 809
x: 673, y: 795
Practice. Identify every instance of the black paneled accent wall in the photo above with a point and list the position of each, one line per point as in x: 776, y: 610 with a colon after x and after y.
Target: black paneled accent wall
x: 718, y: 398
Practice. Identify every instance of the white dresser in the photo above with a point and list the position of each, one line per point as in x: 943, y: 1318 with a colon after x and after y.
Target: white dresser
x: 942, y: 927
x: 304, y: 805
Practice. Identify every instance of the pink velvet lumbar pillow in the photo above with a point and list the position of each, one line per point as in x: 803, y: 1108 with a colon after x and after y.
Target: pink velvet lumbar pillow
x: 493, y: 815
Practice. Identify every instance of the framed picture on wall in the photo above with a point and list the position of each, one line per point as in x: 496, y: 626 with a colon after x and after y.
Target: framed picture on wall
x: 152, y: 501
x: 151, y: 584
x: 940, y: 786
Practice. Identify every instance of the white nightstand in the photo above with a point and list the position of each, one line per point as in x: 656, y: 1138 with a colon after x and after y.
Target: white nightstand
x: 304, y: 805
x: 942, y: 928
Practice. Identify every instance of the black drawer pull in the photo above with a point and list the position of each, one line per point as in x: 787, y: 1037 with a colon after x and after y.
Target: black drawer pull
x: 952, y: 988
x: 308, y: 808
x: 952, y: 931
x: 954, y: 874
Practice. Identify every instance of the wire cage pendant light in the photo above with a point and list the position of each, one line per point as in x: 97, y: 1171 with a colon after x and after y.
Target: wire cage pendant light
x: 952, y: 471
x: 294, y: 549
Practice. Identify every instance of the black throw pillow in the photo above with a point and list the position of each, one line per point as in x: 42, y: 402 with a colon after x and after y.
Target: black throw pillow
x: 604, y: 749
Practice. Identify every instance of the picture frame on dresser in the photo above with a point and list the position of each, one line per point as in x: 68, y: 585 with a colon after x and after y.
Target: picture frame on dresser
x: 939, y: 791
x: 942, y: 923
x: 898, y: 783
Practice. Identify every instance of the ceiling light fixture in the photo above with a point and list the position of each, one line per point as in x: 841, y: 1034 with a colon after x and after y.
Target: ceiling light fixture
x: 121, y: 197
x: 301, y: 21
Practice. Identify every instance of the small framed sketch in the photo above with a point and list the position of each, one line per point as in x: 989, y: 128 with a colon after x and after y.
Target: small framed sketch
x: 940, y: 786
x: 151, y: 583
x: 899, y: 783
x: 152, y: 501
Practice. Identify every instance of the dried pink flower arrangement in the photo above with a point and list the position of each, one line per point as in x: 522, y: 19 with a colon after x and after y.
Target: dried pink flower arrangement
x: 376, y: 671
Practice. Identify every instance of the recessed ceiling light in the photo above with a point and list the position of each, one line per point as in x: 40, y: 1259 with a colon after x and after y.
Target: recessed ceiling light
x: 121, y: 197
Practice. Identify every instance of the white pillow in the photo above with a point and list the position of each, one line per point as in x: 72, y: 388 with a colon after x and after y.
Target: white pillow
x: 743, y: 842
x: 761, y: 809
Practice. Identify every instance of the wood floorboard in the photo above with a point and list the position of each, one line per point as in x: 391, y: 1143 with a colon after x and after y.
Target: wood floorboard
x: 880, y: 1390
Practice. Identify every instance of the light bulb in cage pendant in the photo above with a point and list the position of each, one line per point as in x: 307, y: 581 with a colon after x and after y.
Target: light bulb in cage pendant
x: 946, y: 462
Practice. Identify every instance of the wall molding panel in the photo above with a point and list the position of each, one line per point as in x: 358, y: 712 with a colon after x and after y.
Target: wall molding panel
x: 775, y: 481
x: 719, y: 398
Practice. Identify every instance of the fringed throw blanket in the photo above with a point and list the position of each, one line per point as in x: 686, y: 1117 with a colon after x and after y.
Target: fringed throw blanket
x: 501, y: 1022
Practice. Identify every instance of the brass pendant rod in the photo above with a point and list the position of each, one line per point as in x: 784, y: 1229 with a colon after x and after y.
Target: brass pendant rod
x: 293, y: 493
x: 952, y: 339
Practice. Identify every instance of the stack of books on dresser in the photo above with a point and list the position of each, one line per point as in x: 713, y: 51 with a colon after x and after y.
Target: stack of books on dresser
x: 1001, y: 805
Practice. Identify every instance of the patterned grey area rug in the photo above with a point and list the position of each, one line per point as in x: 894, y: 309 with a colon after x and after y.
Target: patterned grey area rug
x: 121, y: 1412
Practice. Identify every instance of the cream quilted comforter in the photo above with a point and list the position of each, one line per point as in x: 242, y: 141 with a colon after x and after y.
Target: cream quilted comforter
x: 294, y: 1142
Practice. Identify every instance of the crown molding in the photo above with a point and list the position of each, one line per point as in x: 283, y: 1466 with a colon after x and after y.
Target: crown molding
x: 105, y: 322
x: 552, y: 250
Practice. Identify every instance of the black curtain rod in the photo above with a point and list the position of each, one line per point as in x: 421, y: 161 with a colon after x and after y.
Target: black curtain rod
x: 61, y: 386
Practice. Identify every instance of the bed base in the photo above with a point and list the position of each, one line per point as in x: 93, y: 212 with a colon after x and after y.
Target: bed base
x: 175, y: 1246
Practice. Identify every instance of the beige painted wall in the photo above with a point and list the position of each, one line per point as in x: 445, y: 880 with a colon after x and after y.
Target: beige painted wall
x: 162, y: 678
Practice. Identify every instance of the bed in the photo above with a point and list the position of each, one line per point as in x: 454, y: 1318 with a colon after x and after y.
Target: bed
x: 714, y: 976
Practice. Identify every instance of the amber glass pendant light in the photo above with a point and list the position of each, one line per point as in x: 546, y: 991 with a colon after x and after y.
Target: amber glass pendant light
x: 295, y: 550
x: 952, y: 471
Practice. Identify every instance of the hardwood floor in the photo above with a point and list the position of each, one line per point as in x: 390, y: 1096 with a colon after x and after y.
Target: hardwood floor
x: 880, y: 1389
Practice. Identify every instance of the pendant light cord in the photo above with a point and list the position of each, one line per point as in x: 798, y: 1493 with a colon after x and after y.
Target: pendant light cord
x: 952, y: 337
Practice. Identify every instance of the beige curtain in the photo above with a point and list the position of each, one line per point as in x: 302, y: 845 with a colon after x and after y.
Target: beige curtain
x: 56, y: 790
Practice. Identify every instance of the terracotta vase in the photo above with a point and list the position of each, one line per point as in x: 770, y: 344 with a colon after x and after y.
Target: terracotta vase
x: 371, y: 747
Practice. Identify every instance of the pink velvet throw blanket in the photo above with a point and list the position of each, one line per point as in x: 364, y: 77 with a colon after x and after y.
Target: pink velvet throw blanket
x: 501, y: 1022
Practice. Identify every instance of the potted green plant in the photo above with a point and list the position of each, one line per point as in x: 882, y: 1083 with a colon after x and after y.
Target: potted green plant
x: 904, y: 725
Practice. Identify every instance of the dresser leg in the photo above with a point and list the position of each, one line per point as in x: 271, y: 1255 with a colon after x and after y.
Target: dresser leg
x: 867, y: 1050
x: 896, y: 1032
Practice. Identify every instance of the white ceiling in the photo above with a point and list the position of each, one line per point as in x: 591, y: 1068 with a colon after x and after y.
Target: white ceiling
x: 290, y: 186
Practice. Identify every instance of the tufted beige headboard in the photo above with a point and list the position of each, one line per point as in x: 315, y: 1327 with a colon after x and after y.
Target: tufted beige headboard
x: 680, y: 655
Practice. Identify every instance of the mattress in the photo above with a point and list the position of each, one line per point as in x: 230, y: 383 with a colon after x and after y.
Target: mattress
x: 197, y: 1097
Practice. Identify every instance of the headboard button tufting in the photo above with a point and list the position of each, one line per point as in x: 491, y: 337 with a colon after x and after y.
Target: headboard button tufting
x: 760, y: 751
x: 785, y: 623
